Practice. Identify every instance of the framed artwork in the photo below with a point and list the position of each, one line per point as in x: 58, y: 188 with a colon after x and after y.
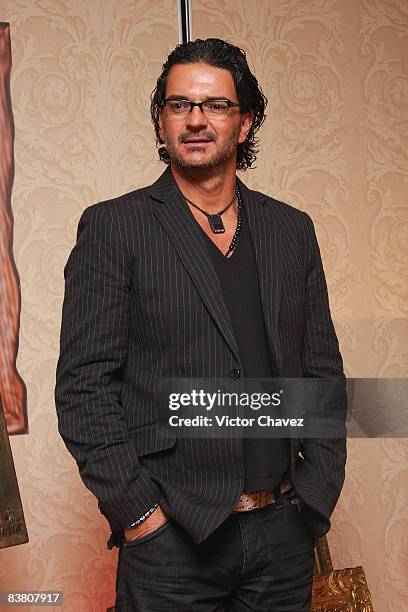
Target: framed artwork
x: 12, y: 389
x: 13, y: 529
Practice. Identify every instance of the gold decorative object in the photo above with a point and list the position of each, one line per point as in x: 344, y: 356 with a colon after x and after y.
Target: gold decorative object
x: 342, y: 590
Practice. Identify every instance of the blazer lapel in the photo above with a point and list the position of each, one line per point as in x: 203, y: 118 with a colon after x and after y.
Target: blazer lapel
x: 174, y: 215
x: 266, y: 237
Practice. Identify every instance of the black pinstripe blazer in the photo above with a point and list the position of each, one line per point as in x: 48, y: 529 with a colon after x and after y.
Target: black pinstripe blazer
x: 143, y: 302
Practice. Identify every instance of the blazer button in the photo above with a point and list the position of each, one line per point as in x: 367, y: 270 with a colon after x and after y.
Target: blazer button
x: 235, y: 373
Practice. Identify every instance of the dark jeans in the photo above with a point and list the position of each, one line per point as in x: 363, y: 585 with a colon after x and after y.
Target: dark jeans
x: 260, y: 560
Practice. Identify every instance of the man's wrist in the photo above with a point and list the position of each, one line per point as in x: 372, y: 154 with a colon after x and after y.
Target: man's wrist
x: 144, y: 516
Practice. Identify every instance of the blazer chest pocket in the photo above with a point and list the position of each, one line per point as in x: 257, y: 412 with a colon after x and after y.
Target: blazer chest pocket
x: 152, y: 438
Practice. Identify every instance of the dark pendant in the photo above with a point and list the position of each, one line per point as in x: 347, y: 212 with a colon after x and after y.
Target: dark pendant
x: 216, y: 224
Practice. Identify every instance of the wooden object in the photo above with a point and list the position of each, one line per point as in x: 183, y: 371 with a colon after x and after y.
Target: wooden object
x: 12, y: 525
x: 342, y: 590
x: 12, y: 388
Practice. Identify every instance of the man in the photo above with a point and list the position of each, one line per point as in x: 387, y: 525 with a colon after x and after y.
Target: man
x: 198, y: 276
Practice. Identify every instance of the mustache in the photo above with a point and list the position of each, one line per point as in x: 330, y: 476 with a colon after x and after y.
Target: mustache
x: 204, y: 135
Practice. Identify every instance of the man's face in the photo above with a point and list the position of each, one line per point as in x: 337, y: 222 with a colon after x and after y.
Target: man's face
x: 195, y: 140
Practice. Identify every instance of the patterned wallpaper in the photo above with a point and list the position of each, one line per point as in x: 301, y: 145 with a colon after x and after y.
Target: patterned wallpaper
x: 334, y: 144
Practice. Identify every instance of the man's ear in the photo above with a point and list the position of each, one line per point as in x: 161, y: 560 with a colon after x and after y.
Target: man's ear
x: 246, y: 122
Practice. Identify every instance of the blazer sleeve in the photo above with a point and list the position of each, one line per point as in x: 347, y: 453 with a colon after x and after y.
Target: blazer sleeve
x: 93, y: 351
x: 320, y: 470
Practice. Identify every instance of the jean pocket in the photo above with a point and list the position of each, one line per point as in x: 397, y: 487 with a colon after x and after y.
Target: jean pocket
x: 148, y: 537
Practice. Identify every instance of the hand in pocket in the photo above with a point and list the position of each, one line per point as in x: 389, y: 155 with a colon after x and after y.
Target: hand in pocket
x: 153, y: 522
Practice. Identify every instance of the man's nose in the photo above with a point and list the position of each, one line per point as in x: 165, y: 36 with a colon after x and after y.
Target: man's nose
x: 196, y: 119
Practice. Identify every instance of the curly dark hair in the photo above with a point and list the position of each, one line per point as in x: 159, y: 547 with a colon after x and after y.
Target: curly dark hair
x: 221, y: 54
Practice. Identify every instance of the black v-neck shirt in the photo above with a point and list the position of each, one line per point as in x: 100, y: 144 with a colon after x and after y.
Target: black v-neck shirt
x: 265, y: 460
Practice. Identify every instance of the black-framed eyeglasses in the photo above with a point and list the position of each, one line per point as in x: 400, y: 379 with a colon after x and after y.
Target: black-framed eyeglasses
x: 211, y: 108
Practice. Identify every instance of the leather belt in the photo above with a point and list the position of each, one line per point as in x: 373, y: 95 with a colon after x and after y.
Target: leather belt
x: 256, y: 500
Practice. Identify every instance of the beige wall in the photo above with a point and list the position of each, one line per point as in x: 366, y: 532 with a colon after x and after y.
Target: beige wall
x: 336, y: 75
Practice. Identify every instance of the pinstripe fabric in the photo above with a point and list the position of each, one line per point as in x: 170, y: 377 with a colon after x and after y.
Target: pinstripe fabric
x: 143, y: 302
